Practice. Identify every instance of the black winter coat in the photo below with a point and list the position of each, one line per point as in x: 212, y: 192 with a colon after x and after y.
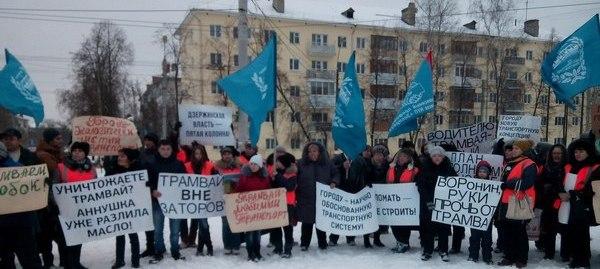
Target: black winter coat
x: 427, y: 180
x: 550, y: 181
x: 163, y: 165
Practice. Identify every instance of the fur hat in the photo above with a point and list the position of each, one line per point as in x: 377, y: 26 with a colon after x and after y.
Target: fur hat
x: 523, y: 144
x: 84, y: 146
x: 152, y: 137
x: 380, y: 149
x: 49, y: 134
x: 258, y: 160
x: 132, y: 154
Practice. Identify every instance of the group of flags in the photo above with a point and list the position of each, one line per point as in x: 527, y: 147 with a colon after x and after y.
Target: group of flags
x: 572, y: 67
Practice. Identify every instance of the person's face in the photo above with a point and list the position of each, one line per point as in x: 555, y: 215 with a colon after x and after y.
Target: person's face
x: 403, y: 159
x: 12, y: 143
x: 437, y: 159
x: 482, y: 174
x: 508, y: 153
x: 254, y: 167
x: 557, y: 155
x: 165, y: 151
x: 279, y: 165
x: 580, y: 155
x: 313, y: 153
x: 279, y: 153
x: 198, y: 155
x: 57, y: 142
x: 249, y: 151
x: 516, y: 152
x: 148, y: 144
x: 378, y: 158
x: 227, y: 156
x: 122, y: 160
x: 78, y: 155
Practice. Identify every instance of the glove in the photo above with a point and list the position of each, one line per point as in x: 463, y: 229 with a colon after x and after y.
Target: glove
x: 430, y: 206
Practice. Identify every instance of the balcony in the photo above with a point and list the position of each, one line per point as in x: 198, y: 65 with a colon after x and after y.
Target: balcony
x: 384, y: 103
x: 468, y: 82
x: 384, y: 79
x: 317, y: 50
x: 320, y: 126
x: 320, y: 74
x: 322, y: 101
x: 514, y: 60
x: 513, y: 84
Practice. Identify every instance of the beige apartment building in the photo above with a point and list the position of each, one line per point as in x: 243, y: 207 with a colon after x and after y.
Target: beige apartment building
x: 476, y: 76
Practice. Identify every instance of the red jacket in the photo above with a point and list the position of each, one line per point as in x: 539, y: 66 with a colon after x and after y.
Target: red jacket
x: 253, y: 181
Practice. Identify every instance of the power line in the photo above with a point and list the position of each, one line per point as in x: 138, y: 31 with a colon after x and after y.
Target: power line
x: 107, y: 10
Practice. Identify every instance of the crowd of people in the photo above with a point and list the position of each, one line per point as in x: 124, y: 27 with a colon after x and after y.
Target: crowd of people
x: 537, y: 173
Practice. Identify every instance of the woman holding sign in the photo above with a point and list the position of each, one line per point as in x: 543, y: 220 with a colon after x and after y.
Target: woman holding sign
x: 582, y: 168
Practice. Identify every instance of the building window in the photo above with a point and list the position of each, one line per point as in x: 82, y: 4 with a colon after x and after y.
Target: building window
x: 341, y: 67
x: 480, y: 51
x: 235, y: 32
x: 544, y: 120
x: 527, y: 98
x: 341, y: 41
x: 322, y: 88
x: 360, y: 68
x: 492, y: 119
x: 214, y: 88
x: 528, y: 77
x: 441, y: 49
x: 361, y: 42
x: 441, y: 71
x: 294, y: 64
x: 295, y: 117
x: 439, y: 119
x: 215, y: 59
x: 575, y: 121
x: 529, y: 55
x: 270, y: 116
x: 512, y: 75
x: 215, y: 30
x: 559, y: 120
x: 381, y: 141
x: 319, y: 65
x: 439, y: 96
x: 477, y: 97
x: 319, y: 40
x: 294, y: 38
x: 319, y: 117
x: 493, y: 97
x: 544, y: 99
x: 423, y: 47
x: 271, y: 144
x: 559, y: 140
x: 295, y: 91
x: 478, y: 118
x: 295, y: 143
x: 402, y: 46
x: 492, y: 75
x: 236, y: 60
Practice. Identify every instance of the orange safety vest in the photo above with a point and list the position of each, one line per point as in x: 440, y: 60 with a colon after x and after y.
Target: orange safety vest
x: 181, y: 156
x: 70, y: 175
x: 206, y: 168
x: 290, y: 196
x: 517, y: 173
x: 407, y: 176
x: 579, y: 181
x: 243, y: 159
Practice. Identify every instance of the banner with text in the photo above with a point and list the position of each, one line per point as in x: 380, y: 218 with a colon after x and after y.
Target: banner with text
x: 256, y: 210
x: 189, y: 196
x: 208, y: 125
x: 397, y: 204
x: 477, y: 138
x: 466, y: 202
x: 106, y: 135
x: 465, y: 163
x: 104, y: 207
x: 23, y: 188
x: 513, y: 127
x: 343, y: 213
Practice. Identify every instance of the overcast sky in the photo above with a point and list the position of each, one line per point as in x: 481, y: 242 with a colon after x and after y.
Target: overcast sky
x: 44, y: 43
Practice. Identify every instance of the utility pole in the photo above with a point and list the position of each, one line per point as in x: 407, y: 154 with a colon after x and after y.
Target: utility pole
x: 242, y: 133
x: 164, y: 88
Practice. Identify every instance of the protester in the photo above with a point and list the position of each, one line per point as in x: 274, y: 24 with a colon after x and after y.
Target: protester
x: 18, y: 230
x: 77, y: 167
x: 200, y: 164
x: 313, y: 167
x: 247, y: 153
x: 285, y: 176
x: 127, y: 161
x: 147, y: 160
x: 254, y: 178
x: 458, y: 232
x: 166, y: 162
x: 481, y: 239
x: 518, y: 177
x: 505, y: 149
x: 402, y: 170
x: 279, y: 151
x: 434, y: 165
x: 342, y: 164
x: 228, y: 165
x: 582, y: 162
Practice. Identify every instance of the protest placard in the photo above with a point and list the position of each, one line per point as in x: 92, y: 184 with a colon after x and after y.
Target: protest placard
x: 343, y: 213
x: 595, y: 119
x: 190, y: 196
x: 23, y: 189
x: 513, y: 127
x: 477, y: 138
x: 464, y: 201
x: 106, y: 135
x: 256, y: 210
x: 397, y: 204
x: 104, y: 207
x: 465, y: 163
x: 208, y: 125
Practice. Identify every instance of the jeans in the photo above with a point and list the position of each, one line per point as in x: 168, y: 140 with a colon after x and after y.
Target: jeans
x: 203, y: 234
x: 159, y: 225
x: 481, y: 239
x: 253, y: 244
x: 231, y: 241
x: 135, y: 249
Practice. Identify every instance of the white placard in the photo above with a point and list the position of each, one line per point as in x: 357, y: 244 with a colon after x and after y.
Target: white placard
x: 513, y: 127
x: 190, y: 196
x: 565, y: 207
x: 477, y: 138
x: 397, y: 204
x: 205, y: 124
x: 465, y: 163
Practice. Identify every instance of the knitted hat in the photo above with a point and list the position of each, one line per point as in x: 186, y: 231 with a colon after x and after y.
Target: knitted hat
x: 231, y: 150
x: 523, y: 144
x: 152, y: 137
x: 483, y: 165
x: 49, y: 134
x: 380, y: 149
x: 436, y: 150
x: 84, y: 146
x: 132, y: 154
x: 286, y: 159
x: 257, y: 159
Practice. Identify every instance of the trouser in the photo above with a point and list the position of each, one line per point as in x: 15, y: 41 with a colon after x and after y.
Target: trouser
x: 550, y: 227
x: 306, y: 236
x: 150, y: 241
x: 188, y: 236
x: 135, y: 249
x: 481, y: 240
x: 159, y: 225
x: 288, y: 233
x: 231, y: 241
x: 253, y: 244
x: 73, y: 257
x: 19, y: 241
x: 334, y: 238
x: 516, y: 248
x: 402, y: 234
x: 203, y: 234
x: 500, y: 242
x: 431, y: 229
x: 578, y: 242
x: 50, y: 231
x: 458, y: 234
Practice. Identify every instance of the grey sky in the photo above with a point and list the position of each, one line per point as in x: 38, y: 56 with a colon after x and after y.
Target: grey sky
x: 45, y: 47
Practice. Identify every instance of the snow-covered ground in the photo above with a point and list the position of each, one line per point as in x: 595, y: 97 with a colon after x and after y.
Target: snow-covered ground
x: 101, y: 254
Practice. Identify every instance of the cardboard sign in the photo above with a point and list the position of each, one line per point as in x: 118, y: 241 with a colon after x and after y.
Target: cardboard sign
x: 466, y: 202
x: 208, y: 125
x: 513, y: 127
x: 595, y: 119
x: 465, y: 163
x: 189, y: 196
x: 397, y: 204
x: 104, y: 207
x: 477, y: 138
x: 106, y: 135
x: 23, y: 189
x: 256, y: 210
x: 343, y: 213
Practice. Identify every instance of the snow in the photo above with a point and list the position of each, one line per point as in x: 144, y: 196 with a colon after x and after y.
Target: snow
x: 100, y: 254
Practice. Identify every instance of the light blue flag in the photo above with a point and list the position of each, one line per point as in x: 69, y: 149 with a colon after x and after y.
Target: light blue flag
x: 18, y: 94
x: 573, y: 66
x: 349, y: 120
x: 417, y: 102
x: 252, y: 88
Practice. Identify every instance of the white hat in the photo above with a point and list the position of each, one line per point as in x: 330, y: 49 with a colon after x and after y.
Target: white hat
x: 436, y: 150
x: 257, y: 159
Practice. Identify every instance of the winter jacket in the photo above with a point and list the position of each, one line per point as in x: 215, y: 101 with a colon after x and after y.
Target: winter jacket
x: 427, y: 180
x: 526, y: 180
x: 338, y: 161
x: 287, y: 179
x: 253, y: 181
x: 71, y: 172
x: 364, y: 173
x: 309, y: 173
x: 51, y: 156
x: 551, y: 184
x: 148, y: 158
x: 163, y: 165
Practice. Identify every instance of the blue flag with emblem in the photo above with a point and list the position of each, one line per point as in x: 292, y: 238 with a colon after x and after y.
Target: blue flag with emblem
x: 417, y: 102
x: 252, y: 88
x: 348, y: 127
x: 573, y: 66
x: 18, y: 94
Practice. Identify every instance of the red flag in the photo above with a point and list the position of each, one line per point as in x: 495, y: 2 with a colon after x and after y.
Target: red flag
x: 429, y: 58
